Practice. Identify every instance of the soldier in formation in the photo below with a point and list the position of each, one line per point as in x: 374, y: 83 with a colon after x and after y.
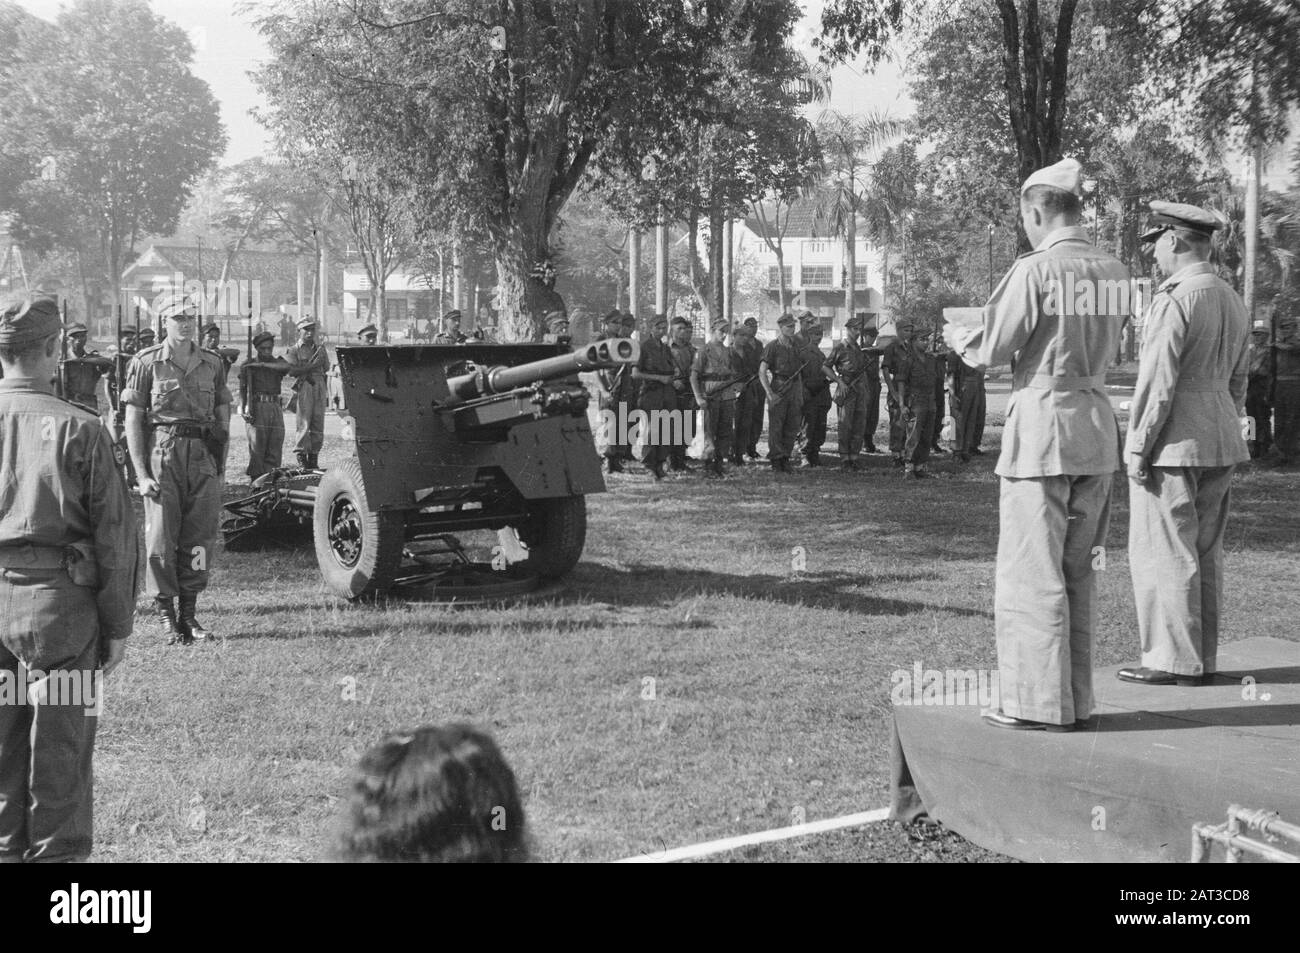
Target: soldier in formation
x: 749, y: 405
x: 848, y: 366
x: 780, y: 372
x: 260, y: 382
x: 817, y: 395
x: 309, y: 364
x: 716, y: 375
x: 81, y: 370
x: 614, y: 393
x: 911, y: 370
x: 683, y: 356
x: 654, y: 374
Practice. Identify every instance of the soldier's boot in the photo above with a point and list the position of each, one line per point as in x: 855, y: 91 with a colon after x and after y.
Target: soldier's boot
x: 814, y: 458
x: 167, y: 615
x: 193, y: 628
x: 612, y: 465
x: 715, y: 466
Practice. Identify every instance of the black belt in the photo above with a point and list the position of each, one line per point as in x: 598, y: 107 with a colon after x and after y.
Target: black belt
x: 193, y: 431
x: 267, y: 398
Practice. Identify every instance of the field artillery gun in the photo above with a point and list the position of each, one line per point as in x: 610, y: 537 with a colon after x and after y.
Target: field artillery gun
x: 447, y: 438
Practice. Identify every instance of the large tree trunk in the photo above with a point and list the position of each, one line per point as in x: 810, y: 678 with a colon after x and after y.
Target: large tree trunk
x: 523, y: 300
x: 850, y: 261
x: 780, y: 276
x: 717, y: 273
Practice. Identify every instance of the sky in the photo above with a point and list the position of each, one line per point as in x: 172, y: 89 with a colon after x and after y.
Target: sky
x: 227, y: 47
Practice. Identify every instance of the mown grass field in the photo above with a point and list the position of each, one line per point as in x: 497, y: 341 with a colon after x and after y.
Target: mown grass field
x: 771, y: 672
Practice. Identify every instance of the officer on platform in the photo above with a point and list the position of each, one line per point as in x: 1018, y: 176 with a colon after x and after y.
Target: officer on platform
x: 178, y: 421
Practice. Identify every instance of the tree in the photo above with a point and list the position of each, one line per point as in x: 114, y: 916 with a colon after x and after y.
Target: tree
x: 108, y: 149
x: 852, y: 186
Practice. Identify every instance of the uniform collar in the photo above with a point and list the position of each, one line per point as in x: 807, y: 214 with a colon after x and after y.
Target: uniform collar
x: 1070, y: 233
x: 29, y: 384
x: 1182, y: 274
x: 169, y: 354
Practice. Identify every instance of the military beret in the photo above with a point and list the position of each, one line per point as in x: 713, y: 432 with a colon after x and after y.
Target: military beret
x: 751, y: 323
x: 264, y: 337
x: 786, y: 318
x: 305, y: 322
x: 368, y: 329
x: 680, y: 322
x: 855, y: 322
x: 613, y: 317
x: 29, y: 319
x: 1066, y: 175
x: 129, y: 332
x: 77, y: 328
x: 1167, y: 215
x: 147, y: 333
x: 807, y: 317
x: 452, y: 316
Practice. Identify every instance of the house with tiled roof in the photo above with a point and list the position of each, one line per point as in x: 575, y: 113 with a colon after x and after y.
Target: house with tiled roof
x: 814, y: 267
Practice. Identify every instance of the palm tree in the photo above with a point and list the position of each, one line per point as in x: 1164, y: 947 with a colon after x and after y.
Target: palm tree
x: 850, y: 192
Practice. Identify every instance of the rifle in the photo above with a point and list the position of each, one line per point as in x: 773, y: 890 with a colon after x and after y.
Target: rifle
x: 743, y: 381
x: 789, y: 382
x: 117, y: 429
x: 842, y: 394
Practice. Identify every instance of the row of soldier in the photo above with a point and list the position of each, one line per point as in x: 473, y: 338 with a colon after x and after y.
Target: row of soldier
x: 1273, y: 392
x: 730, y: 383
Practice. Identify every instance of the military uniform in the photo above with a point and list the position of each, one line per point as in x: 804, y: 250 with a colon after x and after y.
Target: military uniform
x: 970, y: 404
x: 749, y: 405
x: 784, y: 361
x: 683, y: 356
x: 872, y: 378
x: 310, y: 396
x: 80, y: 371
x: 1186, y: 425
x: 1259, y: 393
x: 914, y: 372
x: 656, y: 397
x: 849, y: 361
x: 259, y: 395
x: 716, y: 373
x: 1060, y: 449
x: 67, y: 586
x: 1286, y: 394
x: 616, y: 392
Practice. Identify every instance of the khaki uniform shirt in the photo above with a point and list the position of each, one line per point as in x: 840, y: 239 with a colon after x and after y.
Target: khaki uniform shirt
x: 750, y: 353
x: 1059, y: 419
x: 715, y: 365
x: 172, y: 391
x: 783, y: 358
x: 60, y: 487
x: 1191, y: 385
x: 311, y: 354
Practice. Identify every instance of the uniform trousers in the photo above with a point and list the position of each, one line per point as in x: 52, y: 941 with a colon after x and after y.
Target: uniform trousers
x: 180, y: 525
x: 873, y: 411
x: 1051, y: 529
x: 51, y: 625
x: 311, y: 400
x: 784, y: 415
x: 747, y: 434
x: 1175, y: 554
x: 1259, y: 409
x: 719, y: 427
x: 897, y: 428
x: 265, y: 435
x: 1286, y: 419
x: 920, y: 430
x: 816, y: 405
x: 971, y: 408
x: 853, y: 416
x: 657, y: 436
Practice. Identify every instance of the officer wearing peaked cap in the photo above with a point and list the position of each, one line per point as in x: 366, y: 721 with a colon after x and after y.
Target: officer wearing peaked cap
x: 368, y: 335
x: 68, y: 558
x: 1060, y: 448
x: 1184, y: 441
x: 177, y: 425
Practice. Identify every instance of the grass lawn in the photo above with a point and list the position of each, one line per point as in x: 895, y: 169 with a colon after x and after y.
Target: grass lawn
x: 768, y: 610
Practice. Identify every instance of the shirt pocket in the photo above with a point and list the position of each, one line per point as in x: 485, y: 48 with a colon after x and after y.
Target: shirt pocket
x: 166, y: 394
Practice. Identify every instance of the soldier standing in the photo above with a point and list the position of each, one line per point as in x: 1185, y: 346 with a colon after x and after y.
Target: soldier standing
x: 1060, y: 450
x: 683, y: 355
x: 1259, y: 391
x: 869, y: 334
x: 310, y: 363
x: 128, y: 342
x: 817, y: 395
x: 912, y: 372
x: 212, y: 341
x: 897, y: 425
x: 1286, y: 392
x: 933, y: 346
x: 715, y: 380
x: 749, y: 406
x: 450, y: 333
x: 81, y: 370
x: 557, y: 329
x: 612, y: 383
x: 260, y: 381
x: 1184, y: 441
x: 145, y: 339
x: 779, y: 371
x: 848, y: 366
x: 654, y: 373
x: 67, y: 583
x: 969, y: 405
x: 178, y: 419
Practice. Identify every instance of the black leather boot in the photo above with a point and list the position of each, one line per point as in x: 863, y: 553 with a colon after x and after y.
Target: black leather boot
x: 191, y: 625
x: 167, y: 615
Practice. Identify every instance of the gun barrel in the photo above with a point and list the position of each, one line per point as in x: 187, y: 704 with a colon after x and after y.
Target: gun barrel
x: 486, y: 381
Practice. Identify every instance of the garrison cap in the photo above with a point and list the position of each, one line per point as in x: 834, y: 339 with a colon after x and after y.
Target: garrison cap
x: 129, y: 332
x: 751, y: 323
x: 305, y: 322
x: 807, y: 317
x: 655, y: 319
x: 146, y: 333
x: 1066, y: 175
x: 720, y: 322
x: 1167, y: 215
x: 29, y: 319
x: 680, y: 322
x: 368, y: 329
x: 77, y: 328
x: 786, y: 318
x: 263, y: 338
x: 855, y: 322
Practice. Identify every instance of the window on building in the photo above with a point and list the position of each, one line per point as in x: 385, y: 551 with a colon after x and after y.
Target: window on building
x: 774, y: 276
x: 860, y: 276
x: 817, y: 276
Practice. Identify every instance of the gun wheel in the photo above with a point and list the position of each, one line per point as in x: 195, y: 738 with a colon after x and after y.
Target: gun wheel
x: 358, y: 550
x: 554, y: 534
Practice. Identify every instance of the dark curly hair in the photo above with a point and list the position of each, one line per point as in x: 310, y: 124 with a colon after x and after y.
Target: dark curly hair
x: 435, y: 795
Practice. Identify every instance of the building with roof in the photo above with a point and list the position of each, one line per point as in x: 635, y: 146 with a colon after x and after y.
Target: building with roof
x: 814, y: 268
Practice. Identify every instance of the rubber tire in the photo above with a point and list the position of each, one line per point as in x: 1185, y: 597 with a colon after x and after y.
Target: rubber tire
x: 555, y: 535
x: 383, y: 537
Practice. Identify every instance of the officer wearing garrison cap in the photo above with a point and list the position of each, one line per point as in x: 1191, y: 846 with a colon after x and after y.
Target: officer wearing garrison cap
x: 1184, y: 441
x: 177, y: 425
x: 309, y: 362
x: 1060, y: 449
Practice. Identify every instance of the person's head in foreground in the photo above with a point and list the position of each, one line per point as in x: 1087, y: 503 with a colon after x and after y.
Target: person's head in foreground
x: 435, y: 795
